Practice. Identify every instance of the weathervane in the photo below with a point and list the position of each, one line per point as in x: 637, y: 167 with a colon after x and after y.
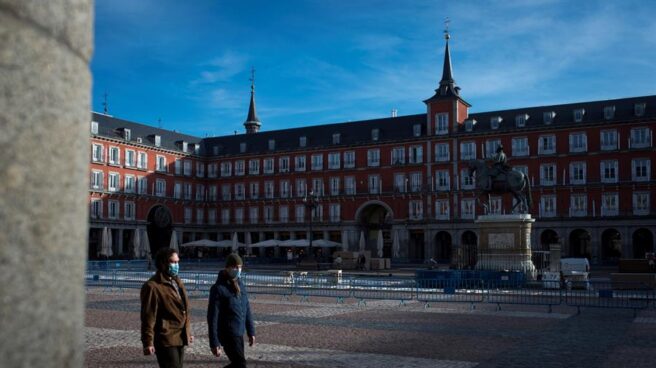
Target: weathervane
x: 252, y: 79
x: 446, y: 28
x: 105, y: 107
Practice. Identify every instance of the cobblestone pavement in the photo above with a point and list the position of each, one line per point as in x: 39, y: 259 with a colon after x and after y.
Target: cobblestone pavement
x: 323, y: 333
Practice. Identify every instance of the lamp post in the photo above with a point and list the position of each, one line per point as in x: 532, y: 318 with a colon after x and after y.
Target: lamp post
x: 311, y: 203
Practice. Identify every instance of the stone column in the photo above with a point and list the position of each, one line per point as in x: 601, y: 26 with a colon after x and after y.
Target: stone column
x: 45, y: 47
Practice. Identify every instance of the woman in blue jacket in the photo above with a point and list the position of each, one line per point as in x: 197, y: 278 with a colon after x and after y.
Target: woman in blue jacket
x: 229, y: 314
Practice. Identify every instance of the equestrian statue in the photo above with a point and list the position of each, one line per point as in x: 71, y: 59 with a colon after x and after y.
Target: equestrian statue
x: 501, y: 178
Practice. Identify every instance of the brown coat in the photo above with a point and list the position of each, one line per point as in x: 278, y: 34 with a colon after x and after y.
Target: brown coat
x: 164, y: 316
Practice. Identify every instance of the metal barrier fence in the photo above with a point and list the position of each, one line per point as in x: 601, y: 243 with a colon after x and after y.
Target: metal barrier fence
x: 635, y: 296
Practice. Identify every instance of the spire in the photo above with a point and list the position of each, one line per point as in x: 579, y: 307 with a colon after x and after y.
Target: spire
x: 252, y: 123
x: 447, y: 87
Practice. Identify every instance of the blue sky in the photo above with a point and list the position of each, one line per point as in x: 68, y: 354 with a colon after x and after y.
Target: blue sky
x: 321, y: 61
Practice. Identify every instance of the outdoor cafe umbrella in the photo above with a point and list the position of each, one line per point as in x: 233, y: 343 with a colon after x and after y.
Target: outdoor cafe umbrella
x: 136, y: 243
x: 174, y: 241
x: 362, y: 243
x: 104, y: 246
x: 235, y: 242
x: 145, y: 246
x: 296, y: 243
x: 323, y: 243
x: 395, y: 245
x: 202, y: 243
x: 109, y: 250
x: 344, y: 241
x: 379, y: 243
x: 248, y: 242
x: 267, y: 243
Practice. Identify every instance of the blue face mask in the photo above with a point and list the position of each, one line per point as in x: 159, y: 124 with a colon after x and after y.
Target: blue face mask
x: 235, y: 273
x: 174, y: 268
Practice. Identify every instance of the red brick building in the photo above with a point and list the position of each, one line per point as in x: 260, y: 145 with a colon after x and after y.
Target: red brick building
x: 589, y: 164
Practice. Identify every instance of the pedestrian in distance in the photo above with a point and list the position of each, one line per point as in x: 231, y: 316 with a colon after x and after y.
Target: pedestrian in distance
x: 229, y: 314
x: 165, y: 324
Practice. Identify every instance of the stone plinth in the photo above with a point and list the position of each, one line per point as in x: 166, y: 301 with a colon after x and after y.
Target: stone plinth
x: 505, y: 243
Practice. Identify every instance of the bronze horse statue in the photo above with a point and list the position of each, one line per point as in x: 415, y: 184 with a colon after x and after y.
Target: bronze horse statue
x: 512, y: 181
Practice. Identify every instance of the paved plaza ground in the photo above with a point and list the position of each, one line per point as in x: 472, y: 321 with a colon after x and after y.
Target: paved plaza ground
x: 323, y: 333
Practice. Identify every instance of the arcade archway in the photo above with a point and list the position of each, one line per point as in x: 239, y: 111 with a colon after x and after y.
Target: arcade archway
x: 443, y: 247
x: 643, y: 242
x: 159, y: 228
x: 468, y: 250
x: 580, y: 244
x: 611, y: 246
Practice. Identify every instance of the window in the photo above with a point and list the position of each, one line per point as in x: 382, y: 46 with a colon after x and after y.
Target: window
x: 467, y: 151
x: 239, y: 191
x: 317, y: 213
x: 283, y: 214
x: 127, y: 134
x: 177, y: 190
x: 268, y: 165
x: 578, y: 205
x: 215, y: 150
x: 548, y: 117
x: 375, y: 134
x: 211, y: 216
x: 547, y: 145
x: 609, y: 112
x: 416, y: 130
x: 96, y: 208
x: 577, y: 172
x: 491, y: 146
x: 200, y: 170
x: 302, y: 141
x: 160, y: 187
x: 336, y: 138
x: 226, y: 169
x: 283, y: 164
x: 299, y: 163
x: 254, y: 167
x: 317, y: 161
x: 639, y: 109
x: 113, y: 183
x: 142, y: 185
x: 641, y: 203
x: 97, y: 153
x: 158, y: 141
x: 272, y: 144
x: 114, y: 156
x: 466, y: 180
x: 253, y: 213
x: 187, y: 167
x: 415, y: 154
x: 317, y: 186
x: 188, y: 191
x: 469, y: 124
x: 609, y: 204
x: 142, y: 160
x: 187, y: 215
x: 442, y: 152
x: 97, y: 180
x: 578, y: 115
x: 255, y: 190
x: 495, y: 121
x: 398, y: 156
x: 333, y: 160
x: 300, y: 213
x: 226, y: 194
x: 334, y: 212
x: 442, y: 209
x: 442, y: 180
x: 334, y: 185
x: 349, y: 185
x: 225, y: 216
x: 641, y: 169
x: 240, y: 167
x: 520, y: 147
x: 285, y: 189
x: 608, y: 171
x: 200, y: 214
x: 349, y: 159
x: 548, y: 206
x: 301, y: 188
x: 177, y: 164
x: 268, y: 189
x: 242, y: 147
x: 441, y: 123
x: 608, y: 140
x: 130, y: 184
x: 415, y: 210
x: 160, y: 163
x: 374, y: 184
x: 578, y: 142
x: 94, y: 127
x: 212, y: 170
x: 467, y: 209
x: 415, y: 182
x: 548, y: 174
x: 200, y: 192
x: 640, y: 137
x: 400, y: 184
x: 268, y: 214
x: 113, y: 210
x: 373, y: 157
x: 520, y: 120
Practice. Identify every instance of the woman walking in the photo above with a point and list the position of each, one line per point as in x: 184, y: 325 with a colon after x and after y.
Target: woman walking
x: 229, y: 314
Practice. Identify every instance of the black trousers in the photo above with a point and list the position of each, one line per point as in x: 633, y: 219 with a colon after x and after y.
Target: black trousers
x: 169, y: 357
x: 233, y: 346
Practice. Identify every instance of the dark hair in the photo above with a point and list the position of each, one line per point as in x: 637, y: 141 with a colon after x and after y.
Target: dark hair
x: 162, y: 258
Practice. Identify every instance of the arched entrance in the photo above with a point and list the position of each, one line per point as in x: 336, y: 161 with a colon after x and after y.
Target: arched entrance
x: 469, y: 250
x: 611, y: 246
x: 416, y: 246
x: 375, y: 216
x: 159, y: 228
x: 443, y: 247
x: 95, y: 239
x: 580, y: 244
x: 547, y: 238
x: 643, y: 242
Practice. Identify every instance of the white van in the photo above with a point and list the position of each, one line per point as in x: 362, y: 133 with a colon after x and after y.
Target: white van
x: 575, y: 272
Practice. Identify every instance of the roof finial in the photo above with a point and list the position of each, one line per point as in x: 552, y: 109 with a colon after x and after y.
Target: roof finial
x: 104, y: 104
x: 446, y: 28
x: 252, y: 123
x: 252, y: 79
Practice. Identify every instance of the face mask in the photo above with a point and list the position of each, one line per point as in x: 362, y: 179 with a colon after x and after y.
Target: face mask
x: 173, y: 269
x: 235, y: 273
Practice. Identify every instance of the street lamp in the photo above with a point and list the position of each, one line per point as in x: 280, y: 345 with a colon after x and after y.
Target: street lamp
x: 311, y: 203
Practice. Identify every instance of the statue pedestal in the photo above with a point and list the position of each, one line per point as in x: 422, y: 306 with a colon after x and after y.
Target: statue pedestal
x: 505, y: 243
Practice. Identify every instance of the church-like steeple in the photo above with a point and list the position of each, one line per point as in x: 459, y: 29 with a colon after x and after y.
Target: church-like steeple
x: 252, y: 123
x: 447, y: 87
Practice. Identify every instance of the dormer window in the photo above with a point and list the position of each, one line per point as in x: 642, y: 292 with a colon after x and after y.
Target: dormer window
x: 196, y: 148
x: 139, y: 140
x: 185, y: 146
x: 94, y: 127
x: 127, y: 134
x: 548, y: 117
x: 520, y: 120
x: 416, y: 130
x: 336, y: 138
x: 302, y: 141
x: 272, y: 144
x: 158, y: 140
x: 639, y: 109
x: 375, y: 134
x: 215, y: 150
x: 495, y: 121
x: 242, y: 147
x: 578, y: 115
x: 469, y: 124
x: 609, y: 112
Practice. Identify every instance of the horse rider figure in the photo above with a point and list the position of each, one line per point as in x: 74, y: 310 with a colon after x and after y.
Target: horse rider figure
x: 500, y: 166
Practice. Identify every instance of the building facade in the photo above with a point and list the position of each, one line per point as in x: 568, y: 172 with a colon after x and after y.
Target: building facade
x: 589, y: 164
